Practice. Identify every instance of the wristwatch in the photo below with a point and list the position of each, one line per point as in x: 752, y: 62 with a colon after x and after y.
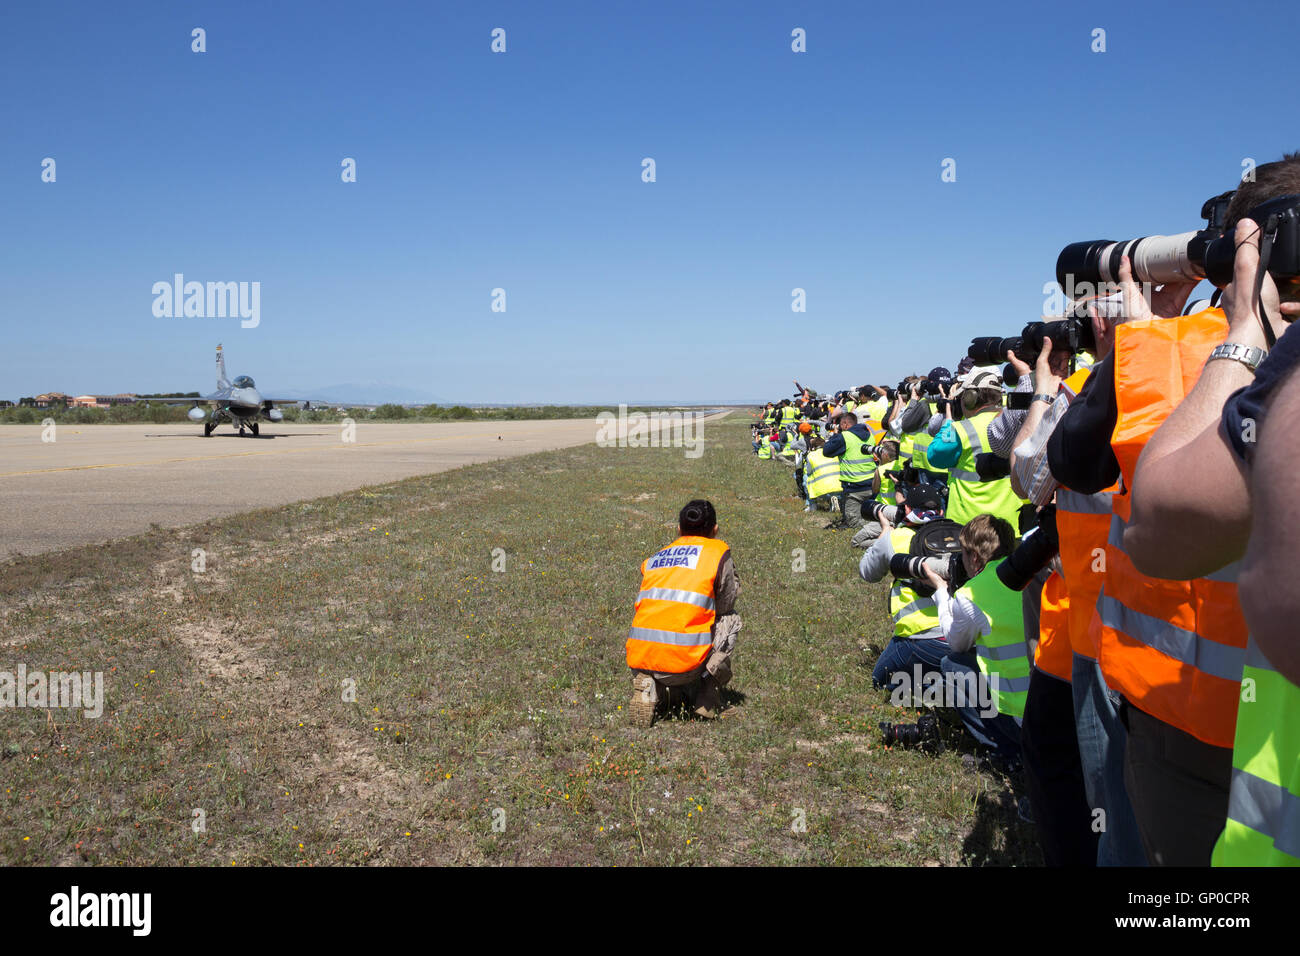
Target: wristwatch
x: 1247, y: 355
x: 1044, y: 398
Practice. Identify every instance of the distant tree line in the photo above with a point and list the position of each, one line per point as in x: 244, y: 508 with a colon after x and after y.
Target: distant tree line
x: 144, y: 411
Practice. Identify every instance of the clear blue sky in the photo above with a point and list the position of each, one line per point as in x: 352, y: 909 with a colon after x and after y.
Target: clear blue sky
x: 522, y: 170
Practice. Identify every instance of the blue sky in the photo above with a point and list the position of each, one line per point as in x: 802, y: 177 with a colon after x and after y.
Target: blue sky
x: 522, y: 171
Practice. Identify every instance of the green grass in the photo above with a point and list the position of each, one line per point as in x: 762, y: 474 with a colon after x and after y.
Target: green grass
x: 478, y: 694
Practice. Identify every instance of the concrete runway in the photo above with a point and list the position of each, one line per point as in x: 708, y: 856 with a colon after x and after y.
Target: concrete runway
x: 100, y: 482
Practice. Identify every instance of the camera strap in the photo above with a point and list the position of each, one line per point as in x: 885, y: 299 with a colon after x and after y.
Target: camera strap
x: 1265, y: 253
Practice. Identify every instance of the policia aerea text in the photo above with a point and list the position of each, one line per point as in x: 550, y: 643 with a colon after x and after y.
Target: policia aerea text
x: 684, y: 630
x: 1096, y: 537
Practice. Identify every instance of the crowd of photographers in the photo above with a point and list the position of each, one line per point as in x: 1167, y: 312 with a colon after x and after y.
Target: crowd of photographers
x: 1089, y: 548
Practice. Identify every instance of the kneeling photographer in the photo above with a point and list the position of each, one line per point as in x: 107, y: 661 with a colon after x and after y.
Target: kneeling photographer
x: 922, y: 541
x: 983, y: 625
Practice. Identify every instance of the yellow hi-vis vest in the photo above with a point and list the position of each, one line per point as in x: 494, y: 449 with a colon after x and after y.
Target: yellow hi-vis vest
x: 672, y: 629
x: 886, y: 485
x: 821, y: 475
x: 790, y: 417
x: 914, y: 616
x: 857, y: 464
x: 765, y: 447
x: 1002, y: 654
x: 1263, y: 827
x: 967, y: 495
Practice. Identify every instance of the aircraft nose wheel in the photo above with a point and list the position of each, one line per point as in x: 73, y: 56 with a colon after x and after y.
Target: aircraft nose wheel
x: 207, y: 429
x: 253, y: 429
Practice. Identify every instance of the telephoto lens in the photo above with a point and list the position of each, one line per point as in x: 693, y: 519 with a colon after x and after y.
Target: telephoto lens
x: 1073, y: 334
x: 908, y: 566
x: 992, y: 350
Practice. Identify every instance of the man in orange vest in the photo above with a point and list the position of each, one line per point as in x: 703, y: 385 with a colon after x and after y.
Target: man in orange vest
x: 684, y: 631
x: 1174, y: 649
x: 1179, y: 532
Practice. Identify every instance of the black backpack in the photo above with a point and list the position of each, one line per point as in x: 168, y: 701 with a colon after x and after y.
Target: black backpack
x: 936, y: 539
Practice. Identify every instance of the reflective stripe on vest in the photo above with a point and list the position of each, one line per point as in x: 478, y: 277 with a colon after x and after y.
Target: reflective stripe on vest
x: 765, y: 447
x: 886, y: 493
x: 967, y: 495
x: 1082, y: 524
x: 1174, y: 649
x: 920, y: 445
x: 821, y: 475
x: 1263, y: 826
x: 857, y: 467
x: 671, y: 631
x: 914, y: 616
x: 1054, y: 655
x: 1002, y: 654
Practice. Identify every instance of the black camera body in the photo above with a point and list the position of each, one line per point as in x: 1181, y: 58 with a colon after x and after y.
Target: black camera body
x: 1279, y: 219
x: 1035, y: 551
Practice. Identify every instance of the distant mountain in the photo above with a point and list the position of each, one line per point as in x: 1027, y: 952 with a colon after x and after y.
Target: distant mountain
x: 363, y: 393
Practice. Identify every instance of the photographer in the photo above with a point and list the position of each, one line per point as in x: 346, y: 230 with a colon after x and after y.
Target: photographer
x: 852, y: 446
x: 983, y: 626
x: 1172, y: 648
x: 1264, y: 801
x: 821, y: 476
x: 917, y: 637
x: 958, y: 444
x: 1004, y: 429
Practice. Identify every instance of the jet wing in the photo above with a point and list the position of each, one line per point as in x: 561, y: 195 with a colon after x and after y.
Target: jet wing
x: 213, y: 399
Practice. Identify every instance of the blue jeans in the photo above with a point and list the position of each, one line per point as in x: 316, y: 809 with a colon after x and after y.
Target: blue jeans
x: 1001, y: 732
x: 903, y: 652
x: 1102, y: 740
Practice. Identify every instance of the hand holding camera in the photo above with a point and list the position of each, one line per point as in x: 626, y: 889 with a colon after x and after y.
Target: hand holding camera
x: 1239, y: 298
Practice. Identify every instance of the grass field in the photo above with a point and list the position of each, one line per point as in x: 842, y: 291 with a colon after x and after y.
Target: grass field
x: 489, y: 722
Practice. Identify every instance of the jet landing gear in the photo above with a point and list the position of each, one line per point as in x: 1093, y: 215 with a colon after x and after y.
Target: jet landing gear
x: 253, y: 427
x: 207, y: 429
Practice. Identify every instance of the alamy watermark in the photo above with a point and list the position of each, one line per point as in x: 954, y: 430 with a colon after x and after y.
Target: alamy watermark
x: 942, y: 690
x: 212, y: 300
x: 56, y: 690
x: 651, y: 430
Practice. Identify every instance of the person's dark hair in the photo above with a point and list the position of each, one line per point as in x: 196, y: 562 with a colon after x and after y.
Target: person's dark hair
x: 697, y: 518
x: 1281, y: 178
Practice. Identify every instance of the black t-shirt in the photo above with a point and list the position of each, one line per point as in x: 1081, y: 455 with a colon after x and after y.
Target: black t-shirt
x: 1251, y: 403
x: 1078, y: 451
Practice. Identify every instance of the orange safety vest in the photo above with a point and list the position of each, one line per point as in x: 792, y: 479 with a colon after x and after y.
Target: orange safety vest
x: 1054, y: 655
x: 1175, y: 649
x: 1082, y: 525
x: 672, y: 629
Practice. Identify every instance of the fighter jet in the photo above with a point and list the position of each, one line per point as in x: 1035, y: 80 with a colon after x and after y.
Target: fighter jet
x: 237, y: 402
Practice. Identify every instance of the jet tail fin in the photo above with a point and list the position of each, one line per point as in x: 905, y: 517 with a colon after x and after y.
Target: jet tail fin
x: 222, y: 381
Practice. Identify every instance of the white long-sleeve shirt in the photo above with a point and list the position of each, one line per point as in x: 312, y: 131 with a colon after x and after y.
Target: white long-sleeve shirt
x: 961, y: 622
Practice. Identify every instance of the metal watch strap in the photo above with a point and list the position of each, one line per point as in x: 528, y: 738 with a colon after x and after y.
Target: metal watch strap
x: 1044, y: 398
x: 1247, y: 355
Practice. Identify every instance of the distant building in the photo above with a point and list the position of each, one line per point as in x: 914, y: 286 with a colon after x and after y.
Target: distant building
x: 51, y: 399
x: 101, y: 401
